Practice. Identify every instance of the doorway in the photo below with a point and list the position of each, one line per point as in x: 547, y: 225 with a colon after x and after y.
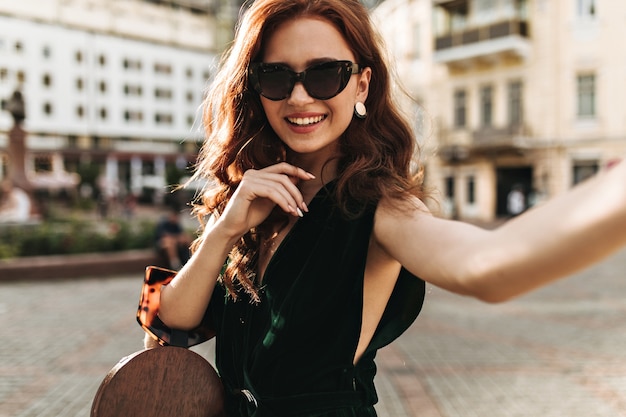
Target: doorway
x: 507, y: 178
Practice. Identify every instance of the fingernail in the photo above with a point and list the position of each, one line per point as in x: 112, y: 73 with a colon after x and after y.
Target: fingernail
x: 299, y: 212
x: 305, y: 207
x: 310, y: 175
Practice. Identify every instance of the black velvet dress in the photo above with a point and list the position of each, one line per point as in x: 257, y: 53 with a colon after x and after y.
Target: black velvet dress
x: 292, y: 353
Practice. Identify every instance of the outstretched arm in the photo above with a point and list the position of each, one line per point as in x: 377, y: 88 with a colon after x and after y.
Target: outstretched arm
x: 568, y: 233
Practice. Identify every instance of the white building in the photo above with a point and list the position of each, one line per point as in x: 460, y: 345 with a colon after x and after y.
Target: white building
x: 112, y: 84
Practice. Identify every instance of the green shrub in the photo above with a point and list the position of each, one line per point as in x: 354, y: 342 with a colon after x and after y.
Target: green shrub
x: 71, y: 236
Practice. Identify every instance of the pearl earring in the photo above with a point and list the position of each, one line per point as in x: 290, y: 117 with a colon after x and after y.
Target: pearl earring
x: 359, y: 110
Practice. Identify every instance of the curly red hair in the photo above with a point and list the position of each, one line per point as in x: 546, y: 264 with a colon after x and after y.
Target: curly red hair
x: 376, y: 153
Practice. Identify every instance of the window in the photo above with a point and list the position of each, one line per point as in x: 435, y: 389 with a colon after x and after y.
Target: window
x: 19, y: 48
x: 586, y: 9
x: 132, y: 64
x: 79, y: 84
x: 471, y: 190
x: 485, y: 11
x: 458, y: 17
x: 163, y: 93
x: 103, y: 113
x: 148, y: 168
x: 584, y: 170
x: 46, y: 80
x: 4, y: 74
x: 586, y: 91
x: 80, y: 112
x: 132, y: 90
x: 163, y: 118
x: 161, y: 68
x: 47, y: 109
x: 43, y: 163
x: 515, y: 103
x: 102, y: 86
x: 460, y: 110
x: 189, y: 96
x: 486, y: 105
x: 449, y: 187
x: 46, y: 52
x: 102, y: 60
x: 189, y: 73
x: 78, y: 56
x: 133, y: 116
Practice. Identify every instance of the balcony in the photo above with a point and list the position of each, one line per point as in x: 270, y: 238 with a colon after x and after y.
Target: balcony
x: 510, y: 138
x: 508, y: 38
x: 483, y: 141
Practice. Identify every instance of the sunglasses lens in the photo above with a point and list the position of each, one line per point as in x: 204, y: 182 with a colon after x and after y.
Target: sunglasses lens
x: 325, y: 81
x: 276, y: 83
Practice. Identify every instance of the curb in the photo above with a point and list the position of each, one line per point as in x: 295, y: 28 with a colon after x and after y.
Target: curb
x: 74, y: 266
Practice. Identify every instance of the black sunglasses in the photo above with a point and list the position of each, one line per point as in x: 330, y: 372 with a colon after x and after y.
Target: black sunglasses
x: 321, y: 81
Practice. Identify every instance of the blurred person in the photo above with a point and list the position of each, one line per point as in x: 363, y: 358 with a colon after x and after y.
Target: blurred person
x: 171, y: 239
x: 130, y: 205
x: 515, y: 201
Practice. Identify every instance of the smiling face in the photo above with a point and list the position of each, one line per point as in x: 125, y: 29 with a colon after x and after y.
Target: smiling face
x: 310, y: 127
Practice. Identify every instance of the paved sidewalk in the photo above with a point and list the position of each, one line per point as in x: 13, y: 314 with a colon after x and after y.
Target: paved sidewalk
x: 558, y: 352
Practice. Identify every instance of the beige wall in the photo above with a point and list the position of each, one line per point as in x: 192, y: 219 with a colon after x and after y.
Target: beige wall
x: 561, y: 46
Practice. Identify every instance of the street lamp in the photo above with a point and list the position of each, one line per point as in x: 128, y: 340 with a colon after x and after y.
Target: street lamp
x: 16, y: 106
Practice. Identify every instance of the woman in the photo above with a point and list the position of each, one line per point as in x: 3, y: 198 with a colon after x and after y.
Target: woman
x: 321, y: 219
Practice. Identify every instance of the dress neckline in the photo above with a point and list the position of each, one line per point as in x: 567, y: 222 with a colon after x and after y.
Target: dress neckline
x: 324, y: 191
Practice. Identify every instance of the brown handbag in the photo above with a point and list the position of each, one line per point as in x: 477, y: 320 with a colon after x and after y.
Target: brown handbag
x: 166, y: 380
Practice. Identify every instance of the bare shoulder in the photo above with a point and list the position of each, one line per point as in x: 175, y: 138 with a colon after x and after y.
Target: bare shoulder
x: 395, y: 213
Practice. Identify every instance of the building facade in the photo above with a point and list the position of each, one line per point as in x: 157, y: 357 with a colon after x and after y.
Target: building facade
x: 521, y: 93
x: 112, y: 88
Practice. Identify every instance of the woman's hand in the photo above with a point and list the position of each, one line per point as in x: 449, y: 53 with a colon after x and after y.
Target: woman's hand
x: 184, y: 300
x: 259, y: 192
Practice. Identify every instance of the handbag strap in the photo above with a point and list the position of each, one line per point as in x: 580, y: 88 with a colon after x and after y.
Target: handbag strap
x: 148, y: 309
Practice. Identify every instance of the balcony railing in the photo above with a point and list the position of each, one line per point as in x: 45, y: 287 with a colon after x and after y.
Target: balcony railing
x: 487, y: 139
x: 513, y: 138
x: 484, y: 33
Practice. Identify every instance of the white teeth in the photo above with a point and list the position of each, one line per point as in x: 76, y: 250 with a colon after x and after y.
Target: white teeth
x: 303, y: 121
